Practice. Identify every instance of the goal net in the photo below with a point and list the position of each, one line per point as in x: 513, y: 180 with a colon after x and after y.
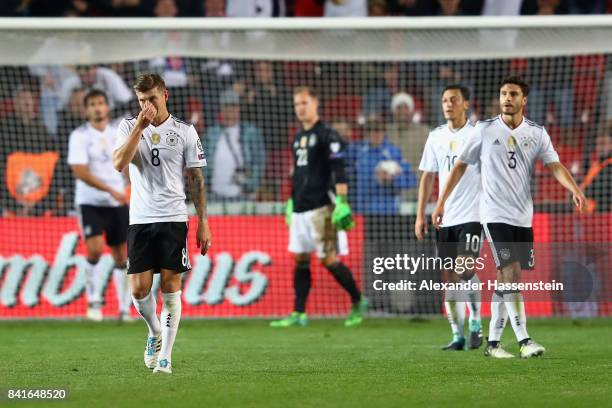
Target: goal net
x: 237, y: 76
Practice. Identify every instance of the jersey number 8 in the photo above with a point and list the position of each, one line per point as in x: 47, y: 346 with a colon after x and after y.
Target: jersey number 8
x: 155, y: 157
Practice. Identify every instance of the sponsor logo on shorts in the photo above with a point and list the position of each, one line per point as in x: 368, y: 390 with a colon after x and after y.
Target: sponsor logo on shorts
x: 504, y: 253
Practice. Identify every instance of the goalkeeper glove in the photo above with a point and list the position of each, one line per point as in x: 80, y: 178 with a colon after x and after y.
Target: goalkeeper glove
x: 342, y: 218
x: 288, y: 211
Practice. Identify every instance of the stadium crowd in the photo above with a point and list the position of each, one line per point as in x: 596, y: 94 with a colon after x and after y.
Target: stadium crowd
x: 243, y: 112
x: 296, y: 8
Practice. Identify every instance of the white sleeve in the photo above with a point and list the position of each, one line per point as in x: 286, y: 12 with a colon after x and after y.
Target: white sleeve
x: 428, y: 160
x: 123, y: 131
x: 77, y: 149
x: 471, y: 151
x: 193, y: 155
x: 547, y: 153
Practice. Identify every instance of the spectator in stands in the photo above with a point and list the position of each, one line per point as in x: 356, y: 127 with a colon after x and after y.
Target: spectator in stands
x: 73, y: 114
x: 501, y: 7
x: 404, y: 132
x: 379, y: 172
x: 376, y: 99
x: 308, y: 8
x: 236, y: 153
x: 607, y: 91
x: 544, y: 7
x: 597, y: 184
x: 255, y: 8
x: 165, y: 8
x: 346, y: 8
x: 222, y: 75
x: 551, y: 82
x: 30, y: 161
x: 268, y: 106
x: 586, y: 6
x: 214, y: 8
x: 54, y: 93
x: 106, y: 80
x: 344, y: 129
x: 411, y: 8
x: 450, y: 8
x: 377, y: 8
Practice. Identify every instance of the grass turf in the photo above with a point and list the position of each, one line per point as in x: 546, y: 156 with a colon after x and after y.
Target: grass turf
x: 384, y: 363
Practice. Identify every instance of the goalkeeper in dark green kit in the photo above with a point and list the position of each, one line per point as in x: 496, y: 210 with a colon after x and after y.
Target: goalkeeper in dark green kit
x: 317, y: 215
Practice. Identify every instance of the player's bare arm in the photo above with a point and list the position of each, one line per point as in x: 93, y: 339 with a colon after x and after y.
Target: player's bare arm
x: 453, y: 179
x: 81, y: 171
x: 123, y: 155
x: 564, y: 177
x: 197, y: 187
x: 426, y: 186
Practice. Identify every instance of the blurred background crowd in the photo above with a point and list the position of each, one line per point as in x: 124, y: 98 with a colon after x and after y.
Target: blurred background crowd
x: 296, y: 8
x: 384, y: 111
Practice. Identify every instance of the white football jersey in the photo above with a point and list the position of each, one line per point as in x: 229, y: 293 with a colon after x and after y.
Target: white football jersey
x: 507, y: 157
x: 90, y: 147
x: 156, y: 171
x: 441, y: 151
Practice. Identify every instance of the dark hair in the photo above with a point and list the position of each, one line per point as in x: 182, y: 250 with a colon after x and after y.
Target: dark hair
x: 516, y: 80
x: 147, y: 81
x: 304, y: 88
x: 465, y: 92
x: 92, y: 94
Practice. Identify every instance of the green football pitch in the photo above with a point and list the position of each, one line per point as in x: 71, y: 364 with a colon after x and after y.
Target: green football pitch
x: 243, y: 363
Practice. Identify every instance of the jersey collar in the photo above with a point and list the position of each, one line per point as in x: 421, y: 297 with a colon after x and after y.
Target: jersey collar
x: 455, y: 131
x: 163, y: 123
x: 505, y: 125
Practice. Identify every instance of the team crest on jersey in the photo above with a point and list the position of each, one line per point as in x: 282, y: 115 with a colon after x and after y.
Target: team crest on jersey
x: 303, y: 141
x: 313, y: 140
x: 171, y: 138
x: 525, y: 143
x: 155, y: 138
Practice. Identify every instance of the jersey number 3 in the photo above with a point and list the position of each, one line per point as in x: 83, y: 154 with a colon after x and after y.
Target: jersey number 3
x: 512, y: 159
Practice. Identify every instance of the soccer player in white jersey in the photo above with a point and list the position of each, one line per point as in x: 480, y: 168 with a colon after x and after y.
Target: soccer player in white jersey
x: 101, y: 202
x: 158, y: 148
x: 460, y: 236
x: 506, y: 147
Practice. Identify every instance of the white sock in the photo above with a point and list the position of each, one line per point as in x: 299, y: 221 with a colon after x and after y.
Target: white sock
x: 499, y: 317
x: 124, y: 298
x: 455, y: 313
x: 474, y: 301
x: 170, y: 318
x: 92, y: 287
x: 147, y: 307
x: 516, y: 312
